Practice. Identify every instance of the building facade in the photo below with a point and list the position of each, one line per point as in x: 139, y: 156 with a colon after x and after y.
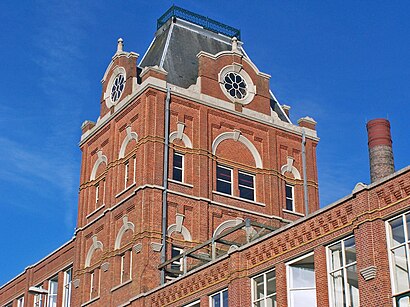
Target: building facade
x: 196, y: 189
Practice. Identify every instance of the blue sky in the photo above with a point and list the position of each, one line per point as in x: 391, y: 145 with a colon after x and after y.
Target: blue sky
x: 340, y: 62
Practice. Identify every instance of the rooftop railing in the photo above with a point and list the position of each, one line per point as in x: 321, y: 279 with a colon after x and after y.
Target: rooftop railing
x: 205, y: 22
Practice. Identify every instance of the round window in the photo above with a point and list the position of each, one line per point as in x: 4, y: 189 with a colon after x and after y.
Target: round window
x: 117, y: 87
x: 235, y: 85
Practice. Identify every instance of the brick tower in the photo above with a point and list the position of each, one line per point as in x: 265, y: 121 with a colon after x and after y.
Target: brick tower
x: 197, y: 112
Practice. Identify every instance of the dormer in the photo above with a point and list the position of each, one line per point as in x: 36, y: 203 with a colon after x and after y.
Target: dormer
x: 232, y: 77
x: 119, y: 79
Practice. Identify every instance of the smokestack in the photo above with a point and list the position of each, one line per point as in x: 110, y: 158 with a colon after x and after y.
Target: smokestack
x: 380, y: 148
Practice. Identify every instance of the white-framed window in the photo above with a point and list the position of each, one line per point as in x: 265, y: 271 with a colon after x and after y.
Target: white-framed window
x: 176, y: 265
x: 343, y: 278
x: 52, y: 292
x: 38, y: 298
x: 219, y: 299
x: 196, y: 303
x: 9, y: 304
x: 178, y: 167
x: 126, y: 173
x: 398, y: 231
x: 301, y: 281
x: 94, y: 283
x: 68, y: 276
x: 224, y: 179
x: 20, y: 301
x: 264, y: 289
x: 246, y: 185
x: 97, y: 193
x: 126, y: 266
x: 290, y: 200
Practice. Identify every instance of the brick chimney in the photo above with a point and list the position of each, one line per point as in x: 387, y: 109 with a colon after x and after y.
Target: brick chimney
x: 380, y: 148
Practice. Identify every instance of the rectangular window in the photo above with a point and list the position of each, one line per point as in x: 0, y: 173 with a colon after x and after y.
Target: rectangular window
x: 97, y: 193
x: 176, y: 266
x: 219, y: 299
x: 94, y: 283
x: 178, y: 167
x: 342, y: 268
x: 264, y: 289
x: 20, y: 301
x: 38, y: 298
x: 52, y: 292
x: 68, y: 275
x: 290, y: 205
x: 223, y: 179
x: 126, y: 266
x: 398, y: 242
x: 301, y: 282
x: 246, y: 185
x: 126, y: 171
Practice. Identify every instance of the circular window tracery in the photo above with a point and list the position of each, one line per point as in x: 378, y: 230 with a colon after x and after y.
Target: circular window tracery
x: 117, y: 87
x: 235, y: 85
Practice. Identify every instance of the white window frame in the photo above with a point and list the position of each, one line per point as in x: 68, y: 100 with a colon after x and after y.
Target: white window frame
x: 92, y: 277
x: 406, y: 244
x: 179, y: 263
x: 265, y: 287
x: 288, y: 277
x: 179, y: 168
x: 20, y: 301
x: 230, y: 182
x: 290, y: 198
x: 127, y: 167
x: 220, y: 294
x: 123, y: 256
x: 97, y: 192
x: 343, y: 267
x: 134, y: 170
x: 68, y: 276
x: 194, y: 303
x: 253, y: 184
x: 52, y: 296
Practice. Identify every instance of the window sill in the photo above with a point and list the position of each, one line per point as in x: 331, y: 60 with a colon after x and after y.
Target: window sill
x: 95, y: 211
x: 239, y: 198
x: 125, y: 190
x: 121, y: 285
x: 91, y: 301
x: 181, y: 183
x: 293, y: 212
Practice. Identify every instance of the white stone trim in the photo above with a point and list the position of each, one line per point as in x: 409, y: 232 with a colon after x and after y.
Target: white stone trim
x: 288, y: 167
x: 96, y: 245
x: 251, y: 87
x: 236, y: 135
x: 101, y: 159
x: 129, y: 137
x: 126, y: 226
x: 107, y: 94
x: 180, y: 135
x: 184, y: 231
x: 225, y: 225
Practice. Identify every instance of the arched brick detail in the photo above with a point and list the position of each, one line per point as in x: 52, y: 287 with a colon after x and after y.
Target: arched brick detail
x: 131, y: 135
x: 101, y: 159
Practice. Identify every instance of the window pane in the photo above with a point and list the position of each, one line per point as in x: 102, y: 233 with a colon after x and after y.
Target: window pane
x: 216, y: 300
x: 177, y: 160
x: 245, y: 180
x: 259, y: 287
x: 177, y: 174
x: 350, y: 250
x: 225, y: 298
x: 246, y: 193
x: 223, y: 173
x: 303, y: 298
x: 270, y: 301
x: 302, y: 275
x: 401, y: 274
x: 223, y: 187
x: 223, y: 180
x: 397, y: 231
x: 289, y: 191
x: 338, y: 289
x: 271, y: 280
x: 353, y: 284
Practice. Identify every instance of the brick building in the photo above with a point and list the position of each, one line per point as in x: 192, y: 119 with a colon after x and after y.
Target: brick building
x: 196, y: 189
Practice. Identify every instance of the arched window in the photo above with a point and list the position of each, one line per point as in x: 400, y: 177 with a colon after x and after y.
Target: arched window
x: 98, y: 194
x: 290, y: 172
x: 129, y: 159
x: 93, y: 272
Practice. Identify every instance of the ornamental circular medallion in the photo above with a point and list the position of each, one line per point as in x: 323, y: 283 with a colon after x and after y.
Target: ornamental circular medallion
x: 235, y: 85
x: 117, y: 87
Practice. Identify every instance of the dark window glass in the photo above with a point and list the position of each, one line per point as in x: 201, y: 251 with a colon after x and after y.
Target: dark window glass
x: 289, y: 197
x: 177, y: 167
x: 246, y: 188
x: 223, y: 180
